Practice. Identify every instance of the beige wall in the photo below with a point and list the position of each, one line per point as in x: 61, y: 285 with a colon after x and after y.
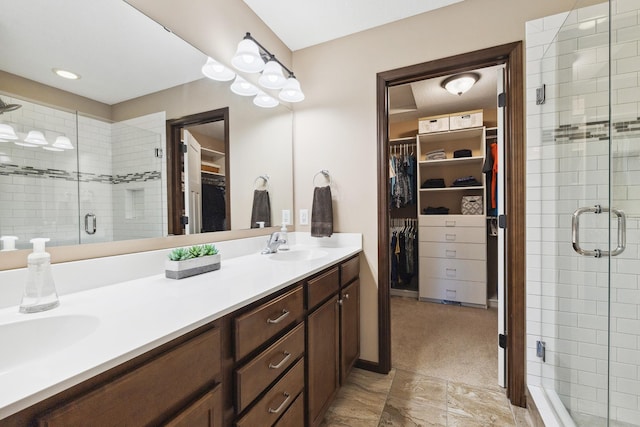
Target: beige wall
x: 335, y: 127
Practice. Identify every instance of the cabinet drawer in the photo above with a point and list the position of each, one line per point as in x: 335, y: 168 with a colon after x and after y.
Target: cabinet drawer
x: 254, y: 328
x: 453, y: 234
x: 349, y: 270
x: 268, y: 409
x: 453, y: 290
x: 323, y: 286
x: 476, y: 251
x: 455, y: 269
x: 205, y: 412
x: 255, y: 376
x: 294, y: 417
x: 451, y: 221
x: 170, y: 381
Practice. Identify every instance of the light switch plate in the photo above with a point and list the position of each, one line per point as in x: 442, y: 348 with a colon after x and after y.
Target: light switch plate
x: 304, y: 217
x: 286, y: 216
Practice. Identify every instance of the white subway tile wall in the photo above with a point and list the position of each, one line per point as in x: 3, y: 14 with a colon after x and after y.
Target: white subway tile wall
x: 43, y: 193
x: 568, y: 166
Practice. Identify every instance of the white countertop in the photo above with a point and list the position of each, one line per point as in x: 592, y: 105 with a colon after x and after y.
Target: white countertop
x: 126, y: 319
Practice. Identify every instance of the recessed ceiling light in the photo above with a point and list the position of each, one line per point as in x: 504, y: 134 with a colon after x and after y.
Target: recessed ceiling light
x: 66, y: 74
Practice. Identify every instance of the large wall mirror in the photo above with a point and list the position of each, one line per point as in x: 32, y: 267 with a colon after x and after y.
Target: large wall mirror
x: 100, y: 172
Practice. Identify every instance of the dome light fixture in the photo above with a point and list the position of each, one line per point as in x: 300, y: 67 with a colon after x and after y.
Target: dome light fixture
x: 272, y: 77
x: 291, y: 91
x: 460, y: 83
x: 247, y: 57
x: 243, y: 88
x: 265, y: 101
x: 216, y: 71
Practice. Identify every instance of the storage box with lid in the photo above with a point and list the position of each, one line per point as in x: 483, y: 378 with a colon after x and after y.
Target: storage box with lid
x: 433, y: 124
x: 465, y: 119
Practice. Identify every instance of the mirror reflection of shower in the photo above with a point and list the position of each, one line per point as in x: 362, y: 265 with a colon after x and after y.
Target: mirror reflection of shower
x: 4, y: 107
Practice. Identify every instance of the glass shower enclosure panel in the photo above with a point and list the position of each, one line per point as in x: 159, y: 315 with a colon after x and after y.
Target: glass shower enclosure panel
x: 583, y: 225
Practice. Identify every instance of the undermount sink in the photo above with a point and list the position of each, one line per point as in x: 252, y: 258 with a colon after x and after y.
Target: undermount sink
x: 31, y: 339
x: 298, y: 255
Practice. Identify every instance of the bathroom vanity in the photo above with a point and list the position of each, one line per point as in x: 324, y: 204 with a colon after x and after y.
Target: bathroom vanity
x: 266, y: 340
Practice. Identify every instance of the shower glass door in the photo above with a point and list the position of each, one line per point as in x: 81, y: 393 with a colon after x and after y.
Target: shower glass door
x: 582, y: 224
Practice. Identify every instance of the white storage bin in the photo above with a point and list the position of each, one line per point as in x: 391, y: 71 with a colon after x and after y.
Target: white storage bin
x: 464, y: 120
x: 433, y: 124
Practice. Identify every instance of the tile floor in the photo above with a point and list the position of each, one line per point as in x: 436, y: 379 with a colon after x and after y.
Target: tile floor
x: 418, y: 396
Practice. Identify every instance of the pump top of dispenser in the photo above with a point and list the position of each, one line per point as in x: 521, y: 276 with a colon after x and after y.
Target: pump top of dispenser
x: 38, y: 244
x: 8, y: 243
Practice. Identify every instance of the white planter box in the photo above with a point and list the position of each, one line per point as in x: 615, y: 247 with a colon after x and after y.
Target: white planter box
x: 191, y: 267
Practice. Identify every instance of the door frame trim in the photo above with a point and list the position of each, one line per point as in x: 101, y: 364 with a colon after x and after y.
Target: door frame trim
x: 511, y: 55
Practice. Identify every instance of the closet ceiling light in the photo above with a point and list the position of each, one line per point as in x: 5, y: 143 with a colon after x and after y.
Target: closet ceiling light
x: 35, y: 137
x: 66, y: 74
x: 7, y: 133
x: 265, y: 101
x: 460, y: 83
x: 243, y: 88
x: 216, y: 71
x: 247, y: 57
x: 272, y: 77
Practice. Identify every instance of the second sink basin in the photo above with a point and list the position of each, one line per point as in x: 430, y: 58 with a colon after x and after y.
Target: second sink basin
x: 298, y: 255
x: 31, y: 339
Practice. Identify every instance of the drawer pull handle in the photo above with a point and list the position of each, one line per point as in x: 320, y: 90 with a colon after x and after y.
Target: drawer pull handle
x: 450, y: 237
x: 449, y: 223
x: 287, y: 356
x: 282, y: 405
x: 346, y: 296
x: 284, y: 314
x: 450, y: 253
x: 451, y: 272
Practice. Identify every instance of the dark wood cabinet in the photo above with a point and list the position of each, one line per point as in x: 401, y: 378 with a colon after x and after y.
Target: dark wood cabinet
x: 349, y: 328
x: 205, y: 412
x: 323, y: 357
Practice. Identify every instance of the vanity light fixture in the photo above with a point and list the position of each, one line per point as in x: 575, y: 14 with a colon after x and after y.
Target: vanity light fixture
x: 216, y: 71
x: 460, y: 83
x: 7, y: 133
x: 247, y: 57
x: 63, y: 143
x: 36, y: 137
x: 243, y: 88
x: 272, y: 77
x: 265, y: 101
x: 65, y: 74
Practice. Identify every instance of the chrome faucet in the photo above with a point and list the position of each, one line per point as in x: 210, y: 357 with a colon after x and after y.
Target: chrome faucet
x: 275, y: 240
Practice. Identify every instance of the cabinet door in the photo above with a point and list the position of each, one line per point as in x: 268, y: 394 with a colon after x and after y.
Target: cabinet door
x: 205, y: 412
x: 350, y: 328
x: 322, y: 353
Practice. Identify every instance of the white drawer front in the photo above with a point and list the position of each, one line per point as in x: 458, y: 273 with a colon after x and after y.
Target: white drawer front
x: 453, y: 234
x: 453, y: 250
x: 453, y: 290
x: 452, y: 221
x: 453, y: 269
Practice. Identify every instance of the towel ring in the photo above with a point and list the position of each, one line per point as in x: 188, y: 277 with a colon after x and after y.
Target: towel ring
x: 265, y: 180
x: 324, y: 173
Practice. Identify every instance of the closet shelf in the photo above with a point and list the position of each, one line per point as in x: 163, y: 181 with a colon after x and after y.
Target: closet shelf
x: 458, y: 161
x: 451, y: 189
x: 212, y: 173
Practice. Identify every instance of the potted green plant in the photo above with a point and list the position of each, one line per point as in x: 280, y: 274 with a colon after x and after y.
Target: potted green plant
x: 186, y: 262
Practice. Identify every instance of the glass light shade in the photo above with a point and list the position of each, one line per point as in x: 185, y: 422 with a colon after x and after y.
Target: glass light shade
x: 7, y: 132
x: 35, y: 137
x: 216, y: 71
x: 291, y: 91
x: 242, y: 87
x: 247, y: 57
x: 457, y: 85
x: 272, y: 77
x: 53, y: 148
x: 265, y: 101
x: 63, y: 143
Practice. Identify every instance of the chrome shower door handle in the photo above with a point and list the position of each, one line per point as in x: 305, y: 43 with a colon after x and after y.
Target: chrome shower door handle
x: 90, y: 229
x: 598, y: 253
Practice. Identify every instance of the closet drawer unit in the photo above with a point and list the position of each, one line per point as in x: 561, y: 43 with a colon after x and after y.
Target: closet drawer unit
x: 453, y: 290
x: 254, y: 328
x: 349, y: 270
x: 322, y: 287
x: 276, y: 401
x: 464, y: 120
x: 453, y: 234
x: 433, y: 124
x: 453, y: 269
x: 255, y: 376
x: 294, y: 417
x: 451, y: 221
x: 477, y: 251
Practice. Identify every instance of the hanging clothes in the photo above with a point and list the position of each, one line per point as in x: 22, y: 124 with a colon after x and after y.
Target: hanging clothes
x: 403, y: 176
x: 490, y: 169
x: 404, y: 253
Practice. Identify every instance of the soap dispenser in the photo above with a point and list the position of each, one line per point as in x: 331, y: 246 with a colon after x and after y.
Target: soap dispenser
x: 39, y: 291
x: 8, y: 243
x: 284, y: 237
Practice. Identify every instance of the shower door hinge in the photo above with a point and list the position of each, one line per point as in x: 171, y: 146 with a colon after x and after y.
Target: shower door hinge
x: 541, y: 95
x: 502, y: 221
x: 158, y: 152
x: 502, y: 100
x: 502, y: 341
x: 541, y: 350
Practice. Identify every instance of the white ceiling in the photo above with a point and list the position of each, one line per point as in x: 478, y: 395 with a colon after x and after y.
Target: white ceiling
x: 304, y: 23
x: 119, y: 52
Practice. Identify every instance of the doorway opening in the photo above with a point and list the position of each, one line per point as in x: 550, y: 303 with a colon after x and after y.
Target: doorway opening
x: 198, y: 201
x: 509, y: 56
